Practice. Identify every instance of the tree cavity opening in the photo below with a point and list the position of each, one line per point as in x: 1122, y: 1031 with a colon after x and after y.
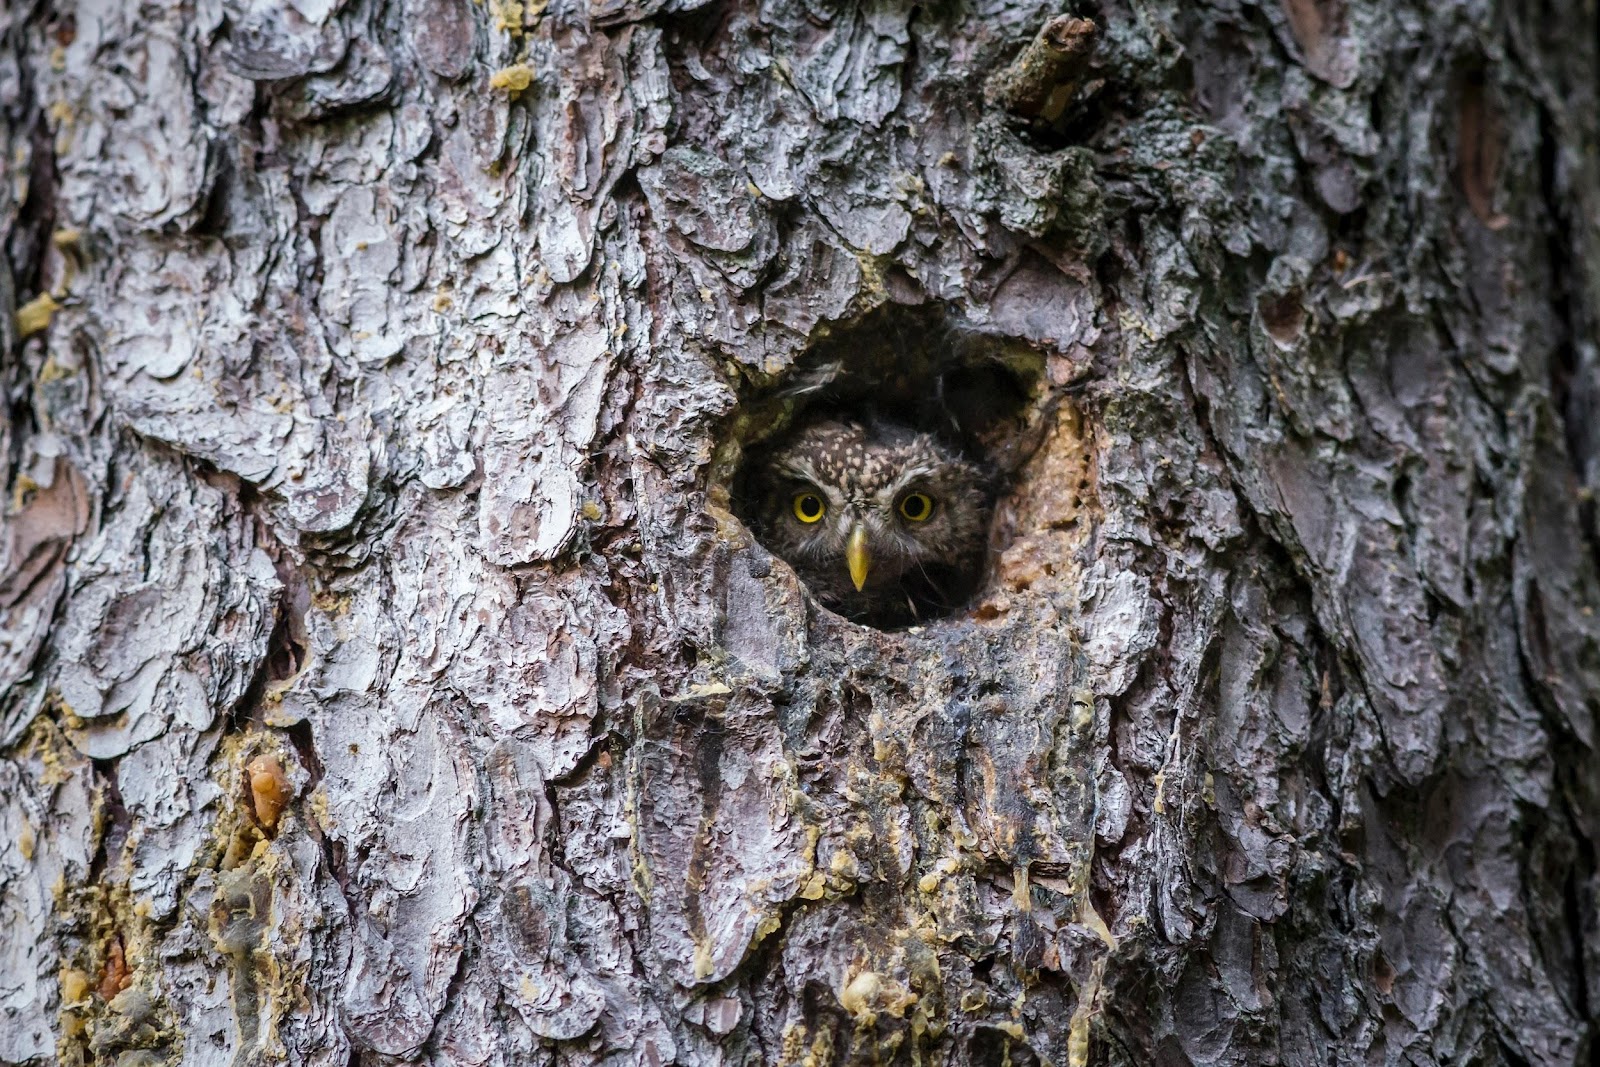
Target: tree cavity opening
x: 874, y: 465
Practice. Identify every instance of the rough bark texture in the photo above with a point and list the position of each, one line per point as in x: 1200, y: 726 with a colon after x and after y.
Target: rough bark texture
x: 386, y: 681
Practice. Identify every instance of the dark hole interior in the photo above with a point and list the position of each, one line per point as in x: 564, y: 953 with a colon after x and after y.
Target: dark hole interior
x: 896, y: 373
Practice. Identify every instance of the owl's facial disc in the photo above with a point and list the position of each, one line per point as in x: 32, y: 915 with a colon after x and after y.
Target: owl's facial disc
x: 885, y: 505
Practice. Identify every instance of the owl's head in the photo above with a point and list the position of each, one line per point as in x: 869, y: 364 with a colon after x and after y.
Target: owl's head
x: 879, y: 519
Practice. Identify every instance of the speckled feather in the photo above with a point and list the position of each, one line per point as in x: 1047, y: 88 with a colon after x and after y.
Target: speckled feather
x: 862, y: 469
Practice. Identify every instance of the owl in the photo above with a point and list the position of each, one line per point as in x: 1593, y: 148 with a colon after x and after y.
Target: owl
x: 884, y: 523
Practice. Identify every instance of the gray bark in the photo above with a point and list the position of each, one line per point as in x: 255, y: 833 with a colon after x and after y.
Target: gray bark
x: 386, y: 680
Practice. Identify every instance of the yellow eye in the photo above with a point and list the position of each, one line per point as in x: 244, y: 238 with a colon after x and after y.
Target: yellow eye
x: 808, y: 507
x: 916, y: 506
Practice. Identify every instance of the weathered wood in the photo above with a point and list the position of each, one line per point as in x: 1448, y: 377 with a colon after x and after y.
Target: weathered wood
x: 387, y: 677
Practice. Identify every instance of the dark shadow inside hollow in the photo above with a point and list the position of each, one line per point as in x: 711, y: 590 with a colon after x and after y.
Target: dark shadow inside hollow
x: 898, y: 391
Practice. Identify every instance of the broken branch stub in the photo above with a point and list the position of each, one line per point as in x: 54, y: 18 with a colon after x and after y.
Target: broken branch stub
x: 1045, y: 79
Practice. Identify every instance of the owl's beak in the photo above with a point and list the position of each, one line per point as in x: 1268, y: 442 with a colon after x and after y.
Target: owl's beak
x: 855, y: 554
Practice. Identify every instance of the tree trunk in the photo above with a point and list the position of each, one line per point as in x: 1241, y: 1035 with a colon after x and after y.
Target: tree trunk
x: 388, y: 678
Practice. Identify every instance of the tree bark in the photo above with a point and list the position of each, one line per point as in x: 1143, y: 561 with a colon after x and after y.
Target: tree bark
x: 388, y: 679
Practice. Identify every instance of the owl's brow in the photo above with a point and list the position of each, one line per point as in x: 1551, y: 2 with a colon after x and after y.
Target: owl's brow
x: 912, y: 474
x: 799, y: 469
